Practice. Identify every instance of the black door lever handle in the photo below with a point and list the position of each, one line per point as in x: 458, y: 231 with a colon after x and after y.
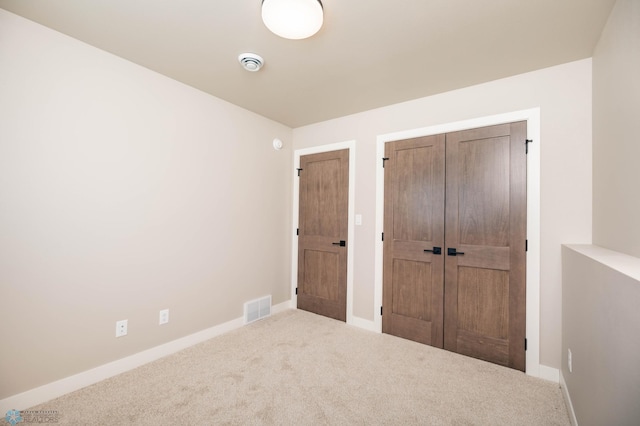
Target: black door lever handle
x: 436, y: 250
x: 342, y: 243
x: 454, y: 252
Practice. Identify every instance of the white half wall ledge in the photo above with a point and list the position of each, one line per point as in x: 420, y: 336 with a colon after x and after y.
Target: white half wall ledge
x: 600, y: 325
x: 620, y: 262
x: 44, y: 393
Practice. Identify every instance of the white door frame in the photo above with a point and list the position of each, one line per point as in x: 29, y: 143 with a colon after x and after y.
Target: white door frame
x: 532, y: 116
x: 351, y: 146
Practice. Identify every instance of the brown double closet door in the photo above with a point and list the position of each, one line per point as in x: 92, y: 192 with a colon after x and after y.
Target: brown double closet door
x: 454, y: 242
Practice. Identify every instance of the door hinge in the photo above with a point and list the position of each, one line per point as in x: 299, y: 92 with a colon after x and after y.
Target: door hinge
x: 297, y: 231
x: 526, y: 245
x: 526, y: 144
x: 384, y: 159
x: 380, y: 310
x: 525, y: 344
x: 299, y: 170
x: 296, y: 291
x: 383, y: 236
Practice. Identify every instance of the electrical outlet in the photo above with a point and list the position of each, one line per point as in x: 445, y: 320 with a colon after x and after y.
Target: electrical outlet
x: 164, y: 316
x: 569, y: 361
x: 121, y: 328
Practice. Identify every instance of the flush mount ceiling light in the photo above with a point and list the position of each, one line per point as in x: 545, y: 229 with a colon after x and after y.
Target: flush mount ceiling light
x: 292, y: 19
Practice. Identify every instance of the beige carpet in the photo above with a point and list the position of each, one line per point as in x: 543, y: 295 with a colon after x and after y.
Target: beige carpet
x: 297, y: 368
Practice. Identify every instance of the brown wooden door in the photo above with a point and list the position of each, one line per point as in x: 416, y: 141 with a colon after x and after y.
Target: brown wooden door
x: 322, y: 234
x: 414, y: 222
x: 486, y: 220
x: 472, y: 302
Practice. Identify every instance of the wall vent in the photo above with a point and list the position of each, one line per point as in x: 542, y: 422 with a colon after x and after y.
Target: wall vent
x: 257, y: 309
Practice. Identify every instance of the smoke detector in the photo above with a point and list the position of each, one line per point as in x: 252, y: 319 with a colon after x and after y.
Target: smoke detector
x: 251, y: 61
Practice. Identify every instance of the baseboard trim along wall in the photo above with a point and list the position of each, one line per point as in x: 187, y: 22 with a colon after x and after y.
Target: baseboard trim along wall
x: 549, y: 373
x: 363, y: 323
x: 69, y: 384
x: 567, y: 401
x: 78, y: 381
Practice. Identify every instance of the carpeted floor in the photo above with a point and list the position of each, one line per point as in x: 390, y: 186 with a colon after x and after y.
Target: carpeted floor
x: 297, y: 368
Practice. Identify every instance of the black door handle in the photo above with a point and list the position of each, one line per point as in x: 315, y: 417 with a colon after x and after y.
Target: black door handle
x: 436, y: 250
x: 453, y: 252
x: 342, y: 243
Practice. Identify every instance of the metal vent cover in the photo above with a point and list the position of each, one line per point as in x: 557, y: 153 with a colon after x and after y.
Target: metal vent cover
x: 251, y: 61
x: 257, y: 309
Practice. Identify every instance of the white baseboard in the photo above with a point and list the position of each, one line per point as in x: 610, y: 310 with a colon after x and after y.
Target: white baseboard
x: 354, y: 321
x: 363, y: 323
x: 549, y: 373
x: 567, y: 401
x: 69, y: 384
x: 281, y: 307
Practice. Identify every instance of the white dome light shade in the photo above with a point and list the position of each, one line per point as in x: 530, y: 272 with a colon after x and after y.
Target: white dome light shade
x: 292, y: 19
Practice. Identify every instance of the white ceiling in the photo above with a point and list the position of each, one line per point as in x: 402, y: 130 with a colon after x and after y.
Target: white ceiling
x: 368, y: 54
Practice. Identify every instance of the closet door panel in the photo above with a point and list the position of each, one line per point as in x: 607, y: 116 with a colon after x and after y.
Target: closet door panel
x: 413, y: 278
x: 485, y: 243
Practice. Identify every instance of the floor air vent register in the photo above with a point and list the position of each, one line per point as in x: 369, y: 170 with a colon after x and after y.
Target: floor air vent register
x: 257, y: 309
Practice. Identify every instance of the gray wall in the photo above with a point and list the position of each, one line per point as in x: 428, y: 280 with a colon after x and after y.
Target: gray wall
x: 601, y: 327
x: 616, y: 139
x: 123, y: 192
x: 600, y: 304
